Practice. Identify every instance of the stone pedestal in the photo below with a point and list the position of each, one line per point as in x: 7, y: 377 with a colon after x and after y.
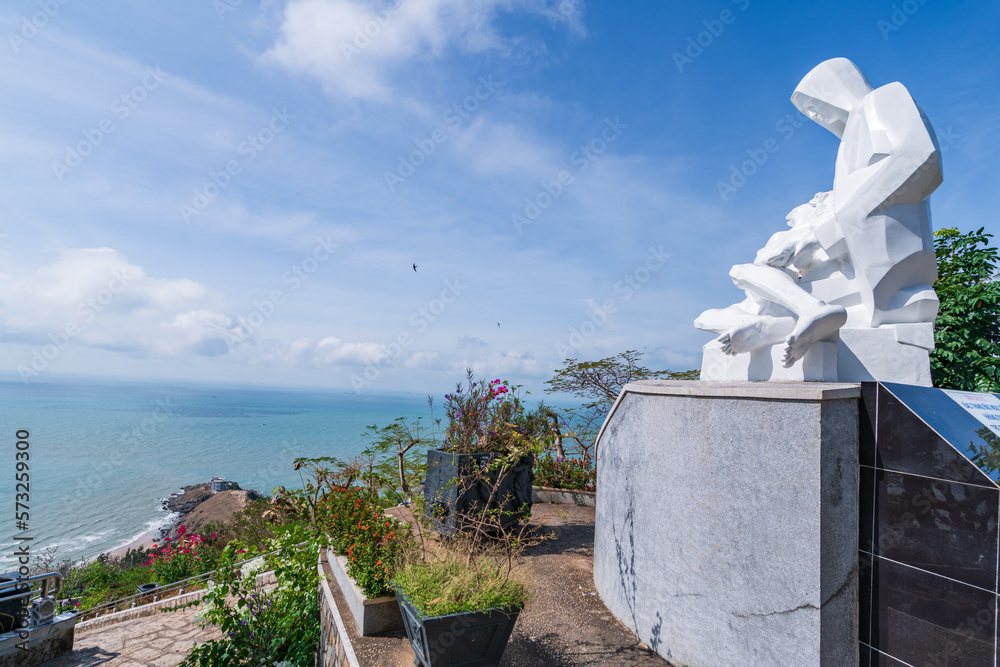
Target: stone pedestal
x: 889, y: 353
x: 727, y: 521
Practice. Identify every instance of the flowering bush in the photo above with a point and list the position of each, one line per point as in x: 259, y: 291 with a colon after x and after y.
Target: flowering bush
x: 271, y: 626
x: 186, y: 556
x: 484, y: 417
x: 359, y: 530
x: 558, y: 473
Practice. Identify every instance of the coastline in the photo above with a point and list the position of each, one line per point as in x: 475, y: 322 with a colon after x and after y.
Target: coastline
x: 144, y: 541
x: 181, y: 505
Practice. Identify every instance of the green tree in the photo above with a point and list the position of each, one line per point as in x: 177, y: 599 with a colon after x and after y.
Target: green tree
x: 967, y: 330
x: 598, y: 383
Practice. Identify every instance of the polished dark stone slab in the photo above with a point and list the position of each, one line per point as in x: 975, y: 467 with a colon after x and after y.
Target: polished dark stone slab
x: 865, y: 620
x: 922, y: 618
x: 942, y: 424
x: 866, y: 426
x: 947, y: 528
x: 906, y: 443
x: 866, y: 506
x: 928, y: 534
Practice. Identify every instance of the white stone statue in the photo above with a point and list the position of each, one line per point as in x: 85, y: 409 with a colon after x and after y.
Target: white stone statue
x: 845, y: 294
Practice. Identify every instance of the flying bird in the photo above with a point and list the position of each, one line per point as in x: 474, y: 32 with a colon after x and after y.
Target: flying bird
x: 498, y: 325
x: 414, y: 268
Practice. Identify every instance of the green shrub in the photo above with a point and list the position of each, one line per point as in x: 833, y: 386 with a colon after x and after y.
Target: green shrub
x: 371, y: 541
x: 557, y: 473
x: 281, y: 625
x: 452, y: 584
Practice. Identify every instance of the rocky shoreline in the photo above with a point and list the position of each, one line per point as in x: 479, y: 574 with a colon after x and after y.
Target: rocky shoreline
x: 221, y: 504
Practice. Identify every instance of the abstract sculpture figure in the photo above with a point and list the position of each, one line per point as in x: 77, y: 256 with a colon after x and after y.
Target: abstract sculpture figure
x: 846, y: 293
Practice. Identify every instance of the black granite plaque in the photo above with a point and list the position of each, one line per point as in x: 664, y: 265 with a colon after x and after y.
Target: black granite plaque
x: 928, y: 527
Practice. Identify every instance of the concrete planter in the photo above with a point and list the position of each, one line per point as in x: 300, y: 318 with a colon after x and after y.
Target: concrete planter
x: 466, y: 639
x: 543, y: 494
x: 371, y: 616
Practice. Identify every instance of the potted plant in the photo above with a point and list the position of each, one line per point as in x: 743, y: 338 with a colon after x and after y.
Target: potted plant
x: 457, y: 597
x: 485, y: 462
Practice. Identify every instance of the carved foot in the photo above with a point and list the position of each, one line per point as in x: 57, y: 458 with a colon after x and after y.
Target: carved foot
x: 754, y: 334
x: 813, y: 325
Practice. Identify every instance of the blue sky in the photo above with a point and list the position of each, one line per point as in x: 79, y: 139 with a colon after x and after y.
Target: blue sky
x: 236, y: 191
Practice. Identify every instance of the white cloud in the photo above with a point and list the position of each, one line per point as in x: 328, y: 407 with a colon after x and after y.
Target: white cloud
x: 98, y: 298
x: 332, y: 351
x: 471, y: 343
x: 511, y: 363
x: 354, y: 47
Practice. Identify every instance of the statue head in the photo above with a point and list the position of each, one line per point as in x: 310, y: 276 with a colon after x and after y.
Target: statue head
x: 830, y: 92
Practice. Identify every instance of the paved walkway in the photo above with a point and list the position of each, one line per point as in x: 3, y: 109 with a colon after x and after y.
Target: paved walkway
x: 161, y: 640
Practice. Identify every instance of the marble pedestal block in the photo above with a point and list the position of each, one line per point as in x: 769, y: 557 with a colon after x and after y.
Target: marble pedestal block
x: 727, y: 521
x: 818, y: 365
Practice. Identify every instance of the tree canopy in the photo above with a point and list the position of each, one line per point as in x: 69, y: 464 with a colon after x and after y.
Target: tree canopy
x: 598, y: 383
x: 967, y: 330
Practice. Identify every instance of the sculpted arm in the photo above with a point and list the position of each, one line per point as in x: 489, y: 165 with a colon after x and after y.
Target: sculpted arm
x: 888, y: 158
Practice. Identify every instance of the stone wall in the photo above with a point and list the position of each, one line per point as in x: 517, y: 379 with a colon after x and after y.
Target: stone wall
x: 726, y: 526
x: 43, y: 644
x: 335, y: 648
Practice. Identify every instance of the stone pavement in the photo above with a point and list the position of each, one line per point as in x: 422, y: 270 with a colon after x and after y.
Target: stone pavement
x: 161, y: 640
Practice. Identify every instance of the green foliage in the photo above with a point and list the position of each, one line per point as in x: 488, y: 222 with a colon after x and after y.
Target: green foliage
x: 987, y: 455
x: 452, y: 584
x: 598, y: 383
x: 277, y: 625
x: 305, y: 506
x: 246, y: 525
x: 371, y: 541
x: 967, y: 330
x: 182, y: 558
x: 104, y: 580
x: 399, y: 455
x: 486, y: 417
x: 556, y: 473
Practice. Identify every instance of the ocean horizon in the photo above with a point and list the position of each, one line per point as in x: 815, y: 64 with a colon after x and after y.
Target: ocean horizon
x: 103, y: 452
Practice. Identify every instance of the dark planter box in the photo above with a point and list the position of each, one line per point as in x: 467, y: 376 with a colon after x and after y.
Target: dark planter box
x: 449, y: 494
x: 468, y: 639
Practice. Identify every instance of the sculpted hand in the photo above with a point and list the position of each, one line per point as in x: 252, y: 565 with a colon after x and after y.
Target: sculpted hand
x: 779, y: 250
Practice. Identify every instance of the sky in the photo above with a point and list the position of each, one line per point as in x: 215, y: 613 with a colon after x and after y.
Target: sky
x: 238, y: 190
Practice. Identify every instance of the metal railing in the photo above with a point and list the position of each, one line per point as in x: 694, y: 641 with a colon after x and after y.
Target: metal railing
x: 123, y: 604
x: 26, y: 589
x: 31, y: 590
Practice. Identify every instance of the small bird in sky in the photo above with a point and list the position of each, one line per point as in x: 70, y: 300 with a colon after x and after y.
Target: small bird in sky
x: 498, y: 325
x: 414, y: 268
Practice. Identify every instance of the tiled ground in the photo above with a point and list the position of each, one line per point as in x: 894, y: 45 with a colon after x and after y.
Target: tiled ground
x: 154, y: 641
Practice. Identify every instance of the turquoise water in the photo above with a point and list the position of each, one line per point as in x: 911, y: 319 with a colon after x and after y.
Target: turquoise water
x: 102, y: 453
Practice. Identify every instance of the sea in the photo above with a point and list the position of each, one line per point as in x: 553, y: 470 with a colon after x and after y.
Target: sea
x: 103, y: 453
